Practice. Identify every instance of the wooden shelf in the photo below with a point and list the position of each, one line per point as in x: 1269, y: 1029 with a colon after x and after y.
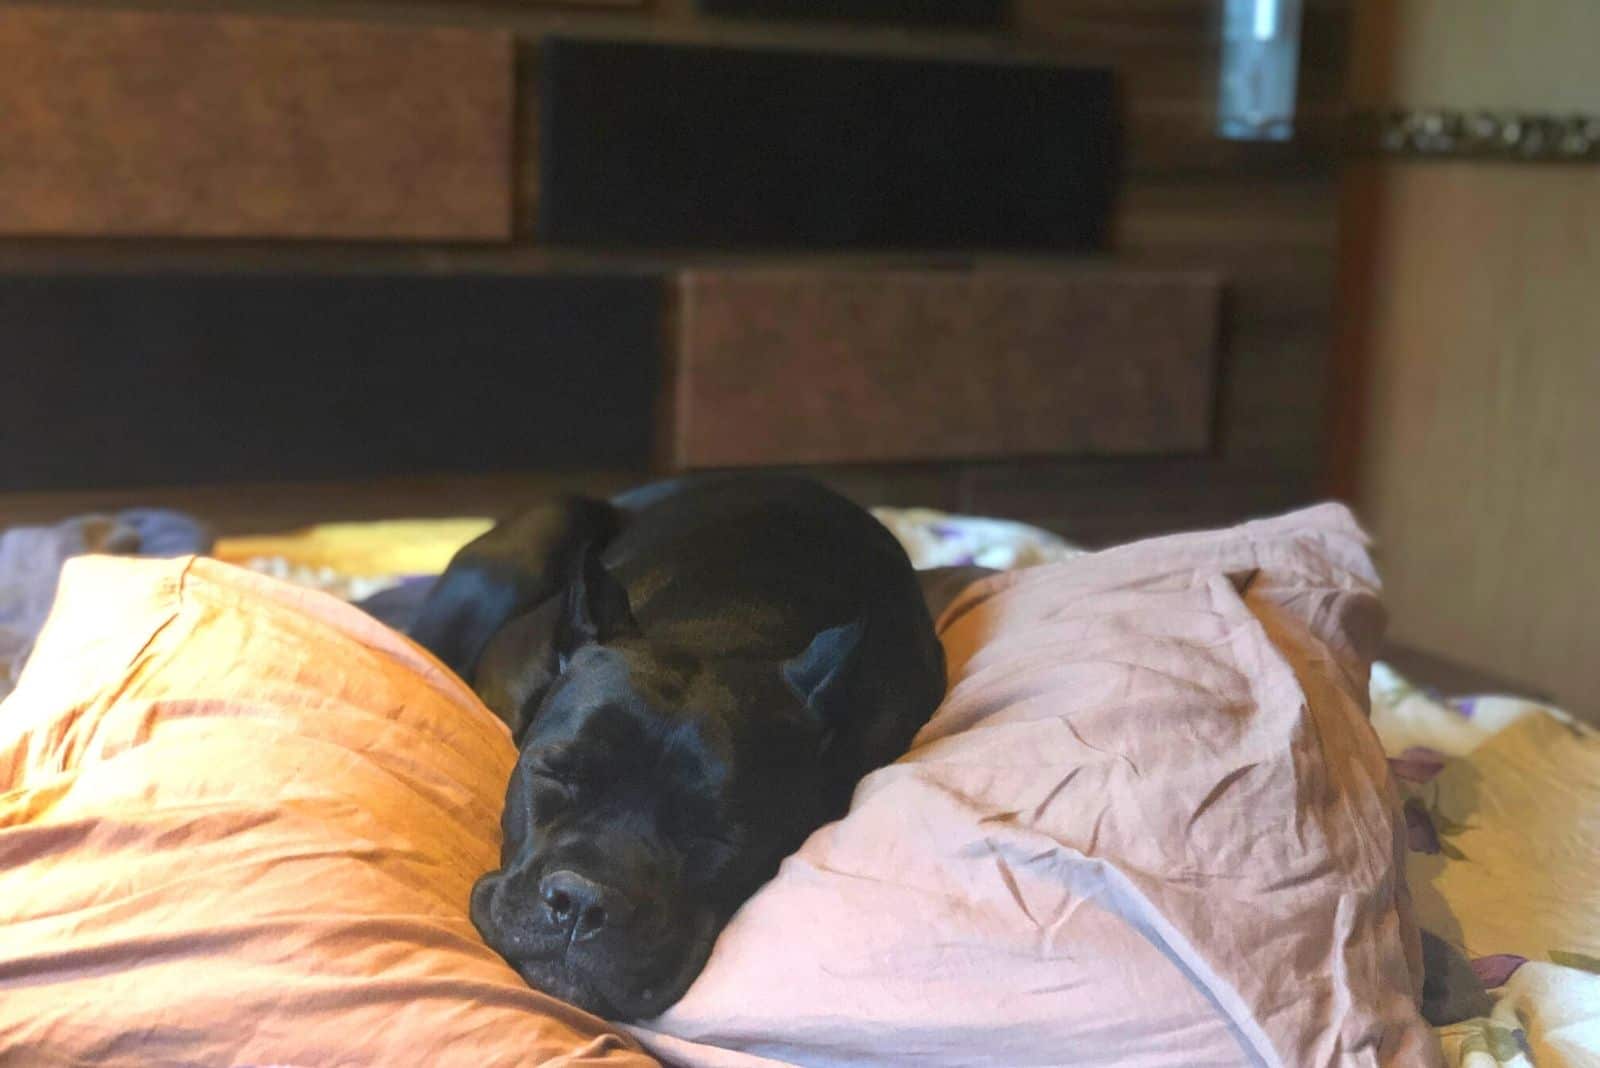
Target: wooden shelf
x: 783, y: 365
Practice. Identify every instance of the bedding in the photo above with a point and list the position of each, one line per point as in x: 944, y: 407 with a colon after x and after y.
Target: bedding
x: 238, y: 825
x: 1150, y: 825
x: 31, y: 558
x: 1502, y: 807
x: 1485, y: 910
x: 354, y: 561
x: 1518, y: 899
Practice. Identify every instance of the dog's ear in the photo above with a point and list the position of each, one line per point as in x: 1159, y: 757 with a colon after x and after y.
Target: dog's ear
x: 817, y: 675
x: 511, y: 569
x: 596, y: 610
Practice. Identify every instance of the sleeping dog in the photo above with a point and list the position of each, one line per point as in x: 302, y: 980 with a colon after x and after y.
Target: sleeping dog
x: 697, y: 674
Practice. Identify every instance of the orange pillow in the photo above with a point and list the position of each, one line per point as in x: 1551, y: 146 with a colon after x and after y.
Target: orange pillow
x: 239, y: 823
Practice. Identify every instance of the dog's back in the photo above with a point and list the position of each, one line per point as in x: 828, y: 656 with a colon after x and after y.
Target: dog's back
x: 758, y: 565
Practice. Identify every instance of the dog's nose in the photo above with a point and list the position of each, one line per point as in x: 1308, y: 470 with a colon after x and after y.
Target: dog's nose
x: 581, y: 906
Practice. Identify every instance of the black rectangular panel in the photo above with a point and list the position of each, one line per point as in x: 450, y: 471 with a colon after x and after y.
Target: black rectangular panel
x: 911, y: 12
x: 159, y: 379
x: 676, y: 146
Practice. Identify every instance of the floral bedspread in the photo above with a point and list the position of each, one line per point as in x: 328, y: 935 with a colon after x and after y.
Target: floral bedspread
x: 1502, y: 805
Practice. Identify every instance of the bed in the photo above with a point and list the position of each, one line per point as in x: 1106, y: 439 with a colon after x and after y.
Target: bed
x: 1499, y: 798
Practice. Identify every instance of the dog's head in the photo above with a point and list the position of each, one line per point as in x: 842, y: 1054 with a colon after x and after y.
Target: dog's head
x: 655, y: 791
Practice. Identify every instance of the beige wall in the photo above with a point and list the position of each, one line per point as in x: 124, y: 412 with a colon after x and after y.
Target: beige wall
x: 1532, y: 55
x: 1479, y: 467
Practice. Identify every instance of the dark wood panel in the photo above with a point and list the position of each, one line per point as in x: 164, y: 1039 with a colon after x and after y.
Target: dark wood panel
x: 1362, y: 225
x: 131, y: 381
x: 1275, y: 240
x: 1261, y: 215
x: 1167, y: 57
x: 1106, y: 502
x: 724, y: 147
x: 1093, y: 502
x: 142, y: 123
x: 909, y: 12
x: 1264, y: 215
x: 851, y: 366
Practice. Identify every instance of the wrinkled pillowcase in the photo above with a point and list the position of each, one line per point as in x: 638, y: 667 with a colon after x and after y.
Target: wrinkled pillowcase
x: 238, y: 825
x: 1150, y: 825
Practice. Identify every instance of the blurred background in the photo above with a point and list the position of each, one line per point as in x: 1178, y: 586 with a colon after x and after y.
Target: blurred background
x: 1110, y: 267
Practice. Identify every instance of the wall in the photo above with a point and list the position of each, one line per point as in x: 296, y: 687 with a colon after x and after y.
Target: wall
x: 1261, y: 217
x: 1475, y: 341
x: 1534, y: 55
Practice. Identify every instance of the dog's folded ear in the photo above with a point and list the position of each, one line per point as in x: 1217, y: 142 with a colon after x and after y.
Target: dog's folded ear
x: 504, y: 573
x: 817, y: 675
x: 596, y: 609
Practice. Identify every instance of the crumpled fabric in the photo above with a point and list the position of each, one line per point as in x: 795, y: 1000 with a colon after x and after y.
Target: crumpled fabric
x: 1150, y: 825
x: 239, y: 824
x: 1502, y: 809
x: 31, y: 558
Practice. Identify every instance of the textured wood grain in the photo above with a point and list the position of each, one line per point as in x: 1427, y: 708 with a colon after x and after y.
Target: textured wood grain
x: 1264, y: 215
x: 1261, y: 215
x: 1481, y: 448
x: 1470, y: 352
x: 166, y: 378
x: 769, y: 148
x: 1166, y: 54
x: 820, y: 367
x: 1100, y: 501
x: 139, y: 123
x: 913, y: 12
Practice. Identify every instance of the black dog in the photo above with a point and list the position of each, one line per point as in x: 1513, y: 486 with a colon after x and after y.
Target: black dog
x: 697, y: 673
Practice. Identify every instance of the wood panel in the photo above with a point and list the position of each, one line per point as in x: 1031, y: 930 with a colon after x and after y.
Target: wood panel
x: 1274, y: 240
x: 1167, y: 57
x: 1261, y: 215
x: 784, y: 149
x: 851, y: 366
x: 1468, y: 357
x: 1102, y: 502
x: 1264, y: 215
x: 141, y: 123
x: 126, y: 381
x: 1481, y: 446
x: 914, y: 12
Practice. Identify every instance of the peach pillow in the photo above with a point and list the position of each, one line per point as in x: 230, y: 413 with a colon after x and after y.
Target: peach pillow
x: 238, y: 824
x: 1150, y: 825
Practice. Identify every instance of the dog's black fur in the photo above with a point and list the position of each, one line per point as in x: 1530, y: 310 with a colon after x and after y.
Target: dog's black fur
x: 697, y: 674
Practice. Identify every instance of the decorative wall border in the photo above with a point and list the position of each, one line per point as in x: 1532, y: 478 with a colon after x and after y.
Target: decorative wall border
x: 1437, y: 133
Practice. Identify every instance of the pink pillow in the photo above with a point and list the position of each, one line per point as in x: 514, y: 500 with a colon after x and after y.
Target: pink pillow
x: 1149, y: 826
x: 238, y: 825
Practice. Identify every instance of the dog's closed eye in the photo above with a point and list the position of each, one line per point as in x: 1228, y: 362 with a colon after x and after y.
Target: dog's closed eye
x: 707, y: 846
x: 551, y: 796
x: 707, y: 853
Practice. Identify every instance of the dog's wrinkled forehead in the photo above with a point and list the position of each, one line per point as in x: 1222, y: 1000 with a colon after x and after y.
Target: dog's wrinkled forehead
x: 640, y: 714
